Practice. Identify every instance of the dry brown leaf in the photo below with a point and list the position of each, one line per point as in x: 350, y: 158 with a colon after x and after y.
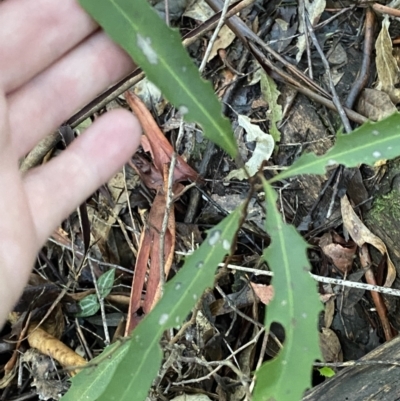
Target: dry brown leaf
x: 386, y: 65
x: 362, y: 235
x: 329, y: 312
x: 264, y: 292
x: 330, y: 346
x: 340, y: 252
x: 224, y: 39
x: 155, y: 176
x: 375, y: 104
x: 149, y: 253
x: 157, y: 144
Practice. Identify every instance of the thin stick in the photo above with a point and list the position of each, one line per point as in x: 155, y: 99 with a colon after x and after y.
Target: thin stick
x: 214, y: 36
x: 335, y: 98
x: 320, y: 279
x: 102, y: 308
x: 170, y: 200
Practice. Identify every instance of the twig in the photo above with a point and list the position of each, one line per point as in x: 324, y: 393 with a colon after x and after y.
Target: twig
x: 260, y: 359
x: 356, y: 363
x: 169, y: 201
x: 381, y: 309
x: 167, y: 19
x: 102, y: 308
x: 214, y: 36
x: 386, y: 10
x: 134, y: 228
x: 320, y: 279
x: 363, y: 74
x: 307, y: 36
x: 242, y: 377
x: 82, y: 339
x: 235, y: 309
x: 335, y: 98
x: 72, y: 249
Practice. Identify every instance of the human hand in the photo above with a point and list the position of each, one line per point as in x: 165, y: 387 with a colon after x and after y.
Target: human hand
x: 52, y: 61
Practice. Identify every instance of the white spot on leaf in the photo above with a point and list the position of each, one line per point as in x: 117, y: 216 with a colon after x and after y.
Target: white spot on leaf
x: 183, y: 110
x: 376, y: 154
x: 144, y: 45
x: 199, y: 265
x: 284, y: 303
x: 226, y: 245
x: 375, y: 132
x: 163, y: 318
x: 214, y: 237
x: 178, y: 286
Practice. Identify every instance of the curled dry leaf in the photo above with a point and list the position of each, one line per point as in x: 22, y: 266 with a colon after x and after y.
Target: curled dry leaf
x: 362, y: 235
x: 338, y: 250
x: 263, y: 150
x: 51, y: 346
x: 386, y: 65
x: 330, y: 346
x: 155, y: 176
x: 157, y: 144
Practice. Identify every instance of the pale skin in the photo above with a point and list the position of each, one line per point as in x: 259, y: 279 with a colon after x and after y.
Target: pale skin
x: 53, y: 60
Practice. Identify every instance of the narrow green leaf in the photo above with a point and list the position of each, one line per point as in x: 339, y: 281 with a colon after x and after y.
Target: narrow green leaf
x: 367, y: 144
x: 93, y: 379
x: 326, y: 371
x: 106, y: 282
x: 89, y: 306
x: 270, y: 94
x: 295, y: 306
x: 133, y: 377
x: 136, y: 27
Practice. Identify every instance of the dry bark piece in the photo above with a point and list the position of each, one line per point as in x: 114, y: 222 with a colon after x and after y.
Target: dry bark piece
x: 378, y: 382
x: 51, y: 346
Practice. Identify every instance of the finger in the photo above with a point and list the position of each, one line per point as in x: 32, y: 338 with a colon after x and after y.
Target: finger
x: 36, y: 33
x: 58, y: 187
x: 49, y: 99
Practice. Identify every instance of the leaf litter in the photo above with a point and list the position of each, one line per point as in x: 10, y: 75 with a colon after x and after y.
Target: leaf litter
x: 136, y: 202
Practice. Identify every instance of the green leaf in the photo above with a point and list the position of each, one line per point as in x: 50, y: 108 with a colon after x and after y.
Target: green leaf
x: 326, y: 371
x: 106, y: 282
x: 89, y: 306
x: 93, y: 379
x: 270, y: 94
x: 367, y: 144
x: 142, y: 360
x: 295, y: 306
x: 157, y: 49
